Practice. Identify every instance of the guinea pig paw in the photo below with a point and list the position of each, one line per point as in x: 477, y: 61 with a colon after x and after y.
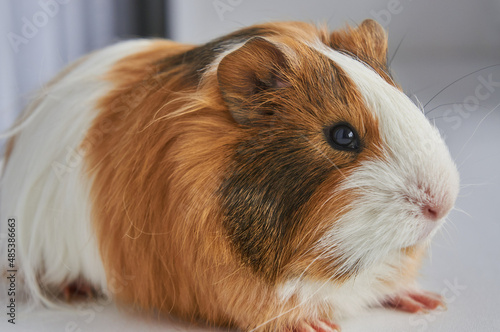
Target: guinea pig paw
x: 78, y: 290
x: 316, y: 326
x: 416, y: 301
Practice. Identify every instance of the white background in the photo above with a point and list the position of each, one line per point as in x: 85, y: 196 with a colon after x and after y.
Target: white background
x: 443, y: 41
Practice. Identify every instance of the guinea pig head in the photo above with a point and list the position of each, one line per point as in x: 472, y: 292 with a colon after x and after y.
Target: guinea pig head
x: 334, y: 167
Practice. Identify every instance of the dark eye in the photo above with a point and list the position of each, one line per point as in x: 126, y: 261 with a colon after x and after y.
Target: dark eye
x: 343, y: 137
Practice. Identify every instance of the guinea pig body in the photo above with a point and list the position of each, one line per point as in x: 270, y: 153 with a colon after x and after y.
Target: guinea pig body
x: 273, y: 179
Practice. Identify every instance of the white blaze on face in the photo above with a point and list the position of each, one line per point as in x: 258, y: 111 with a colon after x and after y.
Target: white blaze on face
x: 405, y: 196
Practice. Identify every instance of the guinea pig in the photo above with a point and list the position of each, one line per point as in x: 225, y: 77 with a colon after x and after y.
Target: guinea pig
x: 274, y: 179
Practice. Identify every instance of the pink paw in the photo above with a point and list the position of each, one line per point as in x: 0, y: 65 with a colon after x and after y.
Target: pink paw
x: 416, y: 301
x: 316, y: 326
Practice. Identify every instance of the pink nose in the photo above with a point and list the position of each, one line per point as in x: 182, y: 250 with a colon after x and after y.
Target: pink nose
x: 435, y: 212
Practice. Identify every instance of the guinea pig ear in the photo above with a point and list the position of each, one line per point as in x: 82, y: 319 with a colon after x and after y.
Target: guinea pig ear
x: 247, y: 72
x: 368, y: 41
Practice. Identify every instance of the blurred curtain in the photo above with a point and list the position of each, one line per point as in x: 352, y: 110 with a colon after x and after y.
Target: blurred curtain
x: 40, y: 37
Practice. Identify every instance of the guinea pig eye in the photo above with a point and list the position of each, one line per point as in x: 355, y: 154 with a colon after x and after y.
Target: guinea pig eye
x: 343, y: 137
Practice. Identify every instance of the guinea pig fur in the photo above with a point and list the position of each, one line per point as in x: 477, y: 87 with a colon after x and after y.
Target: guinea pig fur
x: 274, y: 179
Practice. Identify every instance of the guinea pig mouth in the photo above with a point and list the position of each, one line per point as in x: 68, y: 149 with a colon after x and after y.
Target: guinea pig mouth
x: 429, y: 227
x: 430, y: 216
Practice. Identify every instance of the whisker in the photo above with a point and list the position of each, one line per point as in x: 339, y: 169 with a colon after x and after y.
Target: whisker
x: 475, y: 130
x: 467, y: 185
x: 449, y: 104
x: 446, y: 234
x: 418, y: 103
x: 396, y: 50
x: 459, y: 166
x: 457, y: 80
x: 463, y: 211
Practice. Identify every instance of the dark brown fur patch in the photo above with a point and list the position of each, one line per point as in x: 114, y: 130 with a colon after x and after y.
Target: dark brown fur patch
x: 272, y: 176
x: 197, y: 59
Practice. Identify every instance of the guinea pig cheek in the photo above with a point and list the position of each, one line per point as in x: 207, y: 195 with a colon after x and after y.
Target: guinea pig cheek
x: 380, y: 218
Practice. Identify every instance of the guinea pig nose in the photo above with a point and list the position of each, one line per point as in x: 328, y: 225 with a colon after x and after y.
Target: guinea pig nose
x: 435, y: 212
x: 431, y: 212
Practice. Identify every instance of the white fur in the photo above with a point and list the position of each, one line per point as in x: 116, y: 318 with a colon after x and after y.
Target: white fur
x: 44, y: 185
x: 370, y: 287
x: 386, y: 217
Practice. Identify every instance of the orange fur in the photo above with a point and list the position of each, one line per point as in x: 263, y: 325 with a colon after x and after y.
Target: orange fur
x: 368, y: 42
